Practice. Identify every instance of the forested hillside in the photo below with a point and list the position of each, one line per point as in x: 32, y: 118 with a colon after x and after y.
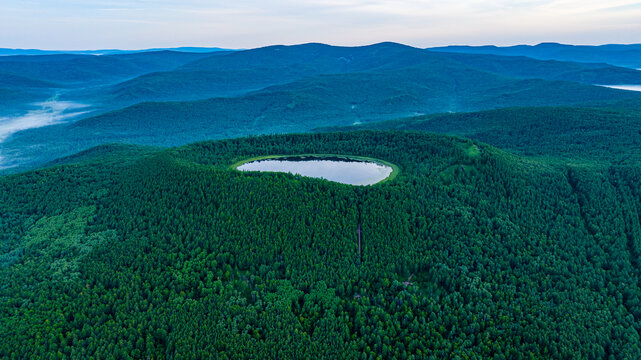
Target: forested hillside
x: 571, y: 134
x: 236, y: 73
x: 25, y: 80
x: 524, y: 67
x: 513, y: 233
x: 615, y: 54
x: 323, y: 100
x: 470, y: 252
x: 74, y: 70
x: 13, y: 100
x: 274, y: 89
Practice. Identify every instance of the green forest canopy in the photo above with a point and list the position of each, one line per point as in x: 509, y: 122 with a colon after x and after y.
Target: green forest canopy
x: 471, y: 252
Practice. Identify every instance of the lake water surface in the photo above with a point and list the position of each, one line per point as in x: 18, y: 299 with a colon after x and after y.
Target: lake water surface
x: 346, y: 171
x: 625, y: 87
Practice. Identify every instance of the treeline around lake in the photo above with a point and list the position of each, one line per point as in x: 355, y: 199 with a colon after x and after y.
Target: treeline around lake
x: 469, y: 253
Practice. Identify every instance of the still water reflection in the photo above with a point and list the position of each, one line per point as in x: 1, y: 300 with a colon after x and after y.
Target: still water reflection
x: 346, y: 171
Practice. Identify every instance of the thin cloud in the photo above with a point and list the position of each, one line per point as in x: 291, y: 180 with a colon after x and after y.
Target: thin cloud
x: 251, y: 23
x: 122, y: 9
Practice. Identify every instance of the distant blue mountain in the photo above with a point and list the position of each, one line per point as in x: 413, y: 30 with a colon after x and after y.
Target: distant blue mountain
x: 175, y: 97
x: 236, y: 73
x: 619, y: 55
x: 83, y: 70
x: 26, y: 79
x: 9, y: 52
x: 324, y: 100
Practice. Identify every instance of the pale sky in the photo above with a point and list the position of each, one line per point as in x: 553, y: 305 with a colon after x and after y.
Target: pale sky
x: 138, y: 24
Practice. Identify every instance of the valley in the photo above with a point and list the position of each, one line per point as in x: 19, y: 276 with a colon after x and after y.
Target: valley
x: 321, y: 202
x: 284, y: 89
x: 46, y: 113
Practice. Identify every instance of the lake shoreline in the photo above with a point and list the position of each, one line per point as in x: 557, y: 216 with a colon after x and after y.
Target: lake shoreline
x: 394, y: 169
x: 627, y: 87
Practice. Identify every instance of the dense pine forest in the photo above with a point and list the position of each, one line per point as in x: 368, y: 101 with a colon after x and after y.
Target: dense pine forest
x: 610, y: 134
x: 511, y: 228
x: 471, y: 252
x: 169, y: 98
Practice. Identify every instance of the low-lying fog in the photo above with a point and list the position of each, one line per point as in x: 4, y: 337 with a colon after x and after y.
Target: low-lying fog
x: 46, y: 113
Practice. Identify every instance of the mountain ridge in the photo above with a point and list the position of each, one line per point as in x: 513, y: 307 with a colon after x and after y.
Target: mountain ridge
x: 243, y: 71
x: 324, y: 100
x: 615, y: 54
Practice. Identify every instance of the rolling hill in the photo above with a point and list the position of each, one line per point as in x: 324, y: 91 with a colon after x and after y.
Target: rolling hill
x: 324, y: 100
x: 618, y: 55
x: 73, y: 77
x: 21, y: 82
x: 14, y: 52
x: 512, y: 229
x: 567, y: 133
x: 523, y: 67
x: 244, y: 71
x: 148, y: 253
x: 84, y: 70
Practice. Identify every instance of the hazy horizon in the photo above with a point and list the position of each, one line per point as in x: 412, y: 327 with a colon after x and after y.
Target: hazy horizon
x: 142, y: 24
x: 178, y: 46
